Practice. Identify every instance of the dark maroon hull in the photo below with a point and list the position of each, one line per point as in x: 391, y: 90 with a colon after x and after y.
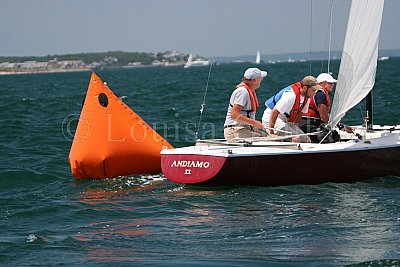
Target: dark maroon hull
x: 287, y: 169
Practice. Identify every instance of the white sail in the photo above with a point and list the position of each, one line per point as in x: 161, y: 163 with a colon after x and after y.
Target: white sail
x: 359, y: 58
x: 188, y: 62
x: 258, y: 57
x: 199, y: 62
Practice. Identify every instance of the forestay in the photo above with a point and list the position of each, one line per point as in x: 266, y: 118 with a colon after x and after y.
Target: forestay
x: 359, y: 58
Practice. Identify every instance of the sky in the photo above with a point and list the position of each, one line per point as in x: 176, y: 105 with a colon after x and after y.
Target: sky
x: 202, y: 27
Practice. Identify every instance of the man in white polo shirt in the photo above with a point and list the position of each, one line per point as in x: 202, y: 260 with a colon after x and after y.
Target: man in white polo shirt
x: 284, y: 110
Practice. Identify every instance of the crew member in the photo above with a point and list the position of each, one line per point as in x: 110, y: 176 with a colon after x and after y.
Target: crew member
x: 240, y: 119
x: 284, y: 110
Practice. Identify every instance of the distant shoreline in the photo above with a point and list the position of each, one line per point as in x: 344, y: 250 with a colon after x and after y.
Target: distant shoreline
x: 43, y: 71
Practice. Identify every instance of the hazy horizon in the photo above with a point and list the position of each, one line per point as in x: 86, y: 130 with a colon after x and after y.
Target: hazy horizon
x: 207, y: 28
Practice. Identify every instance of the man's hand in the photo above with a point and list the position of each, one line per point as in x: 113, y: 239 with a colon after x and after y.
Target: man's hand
x: 348, y: 129
x: 258, y: 125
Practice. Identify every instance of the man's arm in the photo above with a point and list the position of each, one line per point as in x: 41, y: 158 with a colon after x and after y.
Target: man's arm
x: 272, y: 120
x: 240, y: 118
x: 323, y: 112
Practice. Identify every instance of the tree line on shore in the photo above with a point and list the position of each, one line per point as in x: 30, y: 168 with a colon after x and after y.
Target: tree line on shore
x: 124, y: 58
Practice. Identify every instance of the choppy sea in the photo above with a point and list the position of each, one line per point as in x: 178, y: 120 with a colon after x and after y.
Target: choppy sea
x: 50, y: 218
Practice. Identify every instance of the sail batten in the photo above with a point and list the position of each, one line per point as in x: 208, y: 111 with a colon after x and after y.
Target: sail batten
x: 359, y: 58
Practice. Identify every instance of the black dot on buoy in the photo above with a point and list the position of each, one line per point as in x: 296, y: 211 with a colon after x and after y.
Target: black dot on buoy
x: 103, y: 100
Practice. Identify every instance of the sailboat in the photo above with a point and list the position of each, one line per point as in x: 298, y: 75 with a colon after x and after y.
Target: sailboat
x: 384, y: 58
x: 195, y: 63
x: 258, y: 57
x: 374, y: 153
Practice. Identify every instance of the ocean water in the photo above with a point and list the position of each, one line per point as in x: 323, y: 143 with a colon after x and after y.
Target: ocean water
x: 50, y: 218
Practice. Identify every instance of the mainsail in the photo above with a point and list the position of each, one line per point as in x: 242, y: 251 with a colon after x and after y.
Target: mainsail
x: 359, y: 58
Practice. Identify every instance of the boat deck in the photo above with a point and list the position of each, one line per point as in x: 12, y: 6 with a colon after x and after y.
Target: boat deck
x: 249, y: 147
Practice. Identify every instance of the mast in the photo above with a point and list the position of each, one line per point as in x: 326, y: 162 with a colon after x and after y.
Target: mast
x: 330, y: 37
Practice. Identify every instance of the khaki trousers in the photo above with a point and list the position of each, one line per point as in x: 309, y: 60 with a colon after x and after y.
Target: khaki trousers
x: 236, y: 132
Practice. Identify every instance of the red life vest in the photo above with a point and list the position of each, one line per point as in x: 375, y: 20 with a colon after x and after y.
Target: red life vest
x: 313, y: 108
x: 252, y: 95
x: 296, y: 110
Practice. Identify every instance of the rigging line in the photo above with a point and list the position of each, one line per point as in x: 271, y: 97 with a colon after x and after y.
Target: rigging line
x: 311, y: 23
x: 328, y: 37
x: 327, y: 134
x: 209, y: 71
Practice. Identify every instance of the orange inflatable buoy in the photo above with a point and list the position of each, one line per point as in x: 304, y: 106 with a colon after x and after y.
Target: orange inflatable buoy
x: 111, y: 139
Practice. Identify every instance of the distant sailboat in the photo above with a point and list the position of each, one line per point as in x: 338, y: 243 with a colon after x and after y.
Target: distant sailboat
x: 290, y: 60
x: 195, y: 63
x: 258, y: 57
x: 188, y: 62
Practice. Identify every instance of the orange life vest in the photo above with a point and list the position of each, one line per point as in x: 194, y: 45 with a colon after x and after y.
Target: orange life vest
x: 252, y: 95
x: 296, y: 110
x: 313, y: 108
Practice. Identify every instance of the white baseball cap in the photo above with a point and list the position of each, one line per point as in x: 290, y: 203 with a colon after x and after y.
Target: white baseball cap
x: 325, y: 77
x: 252, y: 73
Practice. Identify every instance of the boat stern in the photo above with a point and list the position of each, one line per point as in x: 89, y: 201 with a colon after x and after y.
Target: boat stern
x: 190, y: 168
